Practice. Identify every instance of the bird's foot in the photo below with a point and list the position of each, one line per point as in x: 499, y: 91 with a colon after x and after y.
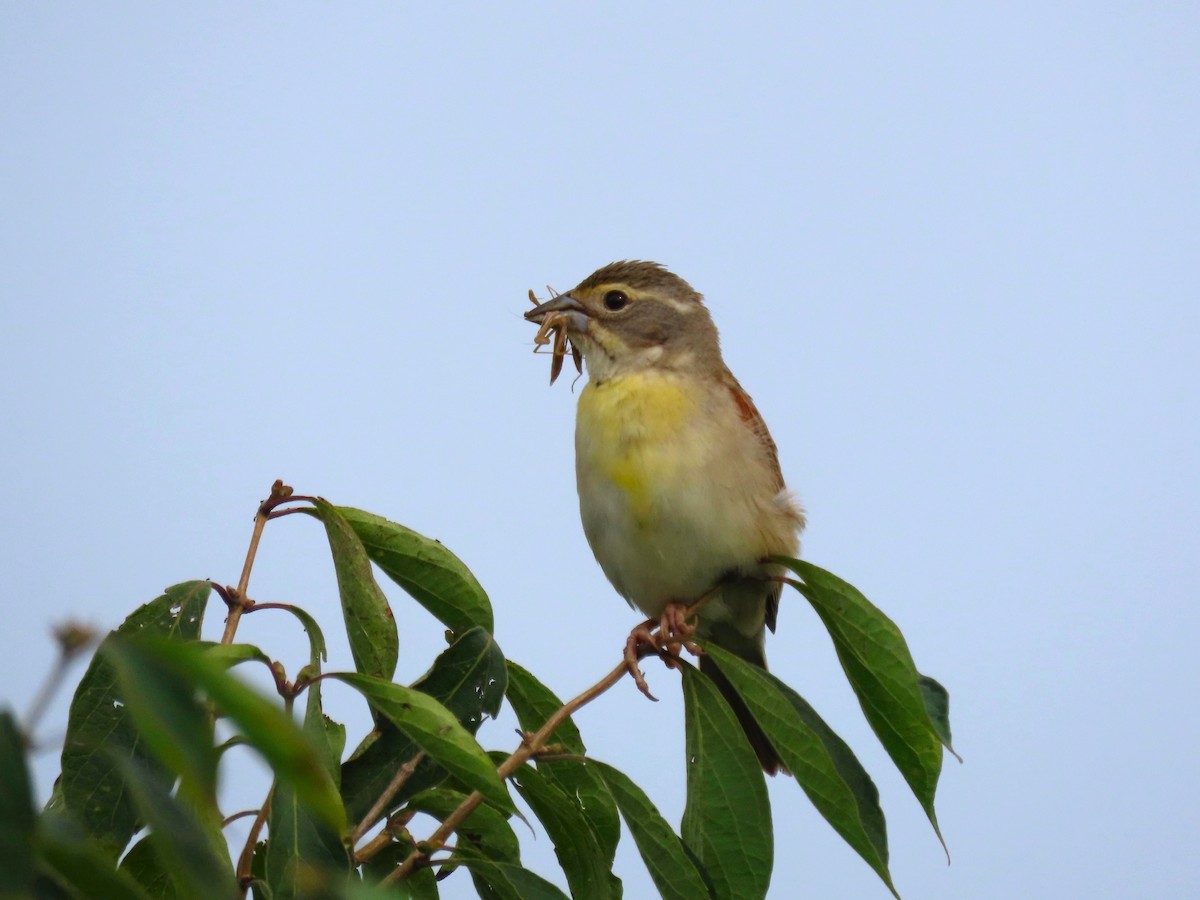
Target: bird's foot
x: 667, y: 642
x: 674, y: 631
x: 641, y: 642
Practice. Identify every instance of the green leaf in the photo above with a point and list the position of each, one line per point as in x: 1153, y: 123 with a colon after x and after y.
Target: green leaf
x: 16, y: 811
x: 99, y: 723
x: 316, y: 639
x: 662, y: 850
x: 431, y: 574
x: 329, y: 737
x: 468, y: 678
x: 194, y: 856
x: 304, y: 852
x: 301, y: 850
x: 582, y: 861
x: 259, y: 889
x: 172, y: 721
x: 370, y: 625
x: 420, y: 885
x: 304, y: 857
x: 508, y: 880
x: 470, y: 675
x: 822, y: 763
x: 265, y: 726
x: 875, y: 657
x: 534, y: 703
x: 434, y: 729
x: 301, y: 763
x: 485, y: 829
x: 937, y: 705
x: 229, y: 655
x: 378, y: 866
x: 143, y: 865
x: 56, y: 803
x: 72, y: 860
x: 727, y: 819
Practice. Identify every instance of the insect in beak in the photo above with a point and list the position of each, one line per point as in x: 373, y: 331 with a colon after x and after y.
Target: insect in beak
x: 553, y: 331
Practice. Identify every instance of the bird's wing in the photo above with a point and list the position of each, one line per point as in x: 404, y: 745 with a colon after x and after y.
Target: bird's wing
x: 753, y: 420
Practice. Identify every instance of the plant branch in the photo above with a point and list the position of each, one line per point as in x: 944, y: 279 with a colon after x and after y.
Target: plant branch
x: 238, y: 815
x: 72, y: 639
x: 402, y: 775
x: 373, y: 846
x: 236, y: 598
x: 530, y: 746
x: 246, y: 860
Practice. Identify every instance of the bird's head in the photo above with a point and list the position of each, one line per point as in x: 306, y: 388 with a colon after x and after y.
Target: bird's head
x: 634, y: 315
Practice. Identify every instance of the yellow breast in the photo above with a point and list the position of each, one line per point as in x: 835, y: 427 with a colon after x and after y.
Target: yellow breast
x: 629, y: 432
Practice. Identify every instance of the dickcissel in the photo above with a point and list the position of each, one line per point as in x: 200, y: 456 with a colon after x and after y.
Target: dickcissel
x: 679, y: 483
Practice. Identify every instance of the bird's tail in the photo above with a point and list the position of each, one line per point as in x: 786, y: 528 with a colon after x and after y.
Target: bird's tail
x: 763, y: 748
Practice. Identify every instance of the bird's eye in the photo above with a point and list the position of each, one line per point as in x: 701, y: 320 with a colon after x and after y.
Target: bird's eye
x: 615, y: 300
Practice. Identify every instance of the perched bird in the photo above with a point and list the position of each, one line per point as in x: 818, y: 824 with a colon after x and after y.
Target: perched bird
x: 680, y: 489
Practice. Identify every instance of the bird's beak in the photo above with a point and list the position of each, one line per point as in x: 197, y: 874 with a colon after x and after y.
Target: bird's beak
x: 567, y: 307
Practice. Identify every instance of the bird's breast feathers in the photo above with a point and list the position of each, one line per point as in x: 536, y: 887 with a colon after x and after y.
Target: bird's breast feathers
x: 674, y: 488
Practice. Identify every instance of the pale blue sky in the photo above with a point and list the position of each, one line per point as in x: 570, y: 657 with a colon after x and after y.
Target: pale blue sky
x: 952, y: 251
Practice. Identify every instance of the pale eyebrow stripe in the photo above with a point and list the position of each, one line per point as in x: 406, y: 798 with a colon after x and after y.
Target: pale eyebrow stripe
x: 683, y: 306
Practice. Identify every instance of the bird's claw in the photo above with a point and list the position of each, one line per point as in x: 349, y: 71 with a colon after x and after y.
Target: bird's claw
x: 674, y: 630
x: 667, y: 642
x: 641, y: 642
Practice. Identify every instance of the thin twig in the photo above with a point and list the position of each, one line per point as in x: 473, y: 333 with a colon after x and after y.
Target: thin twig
x: 560, y: 757
x: 246, y: 860
x: 238, y: 602
x: 397, y: 823
x: 530, y: 746
x: 45, y: 693
x: 237, y: 606
x: 238, y: 815
x: 518, y: 758
x: 373, y: 846
x: 72, y: 639
x: 245, y: 864
x: 402, y: 775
